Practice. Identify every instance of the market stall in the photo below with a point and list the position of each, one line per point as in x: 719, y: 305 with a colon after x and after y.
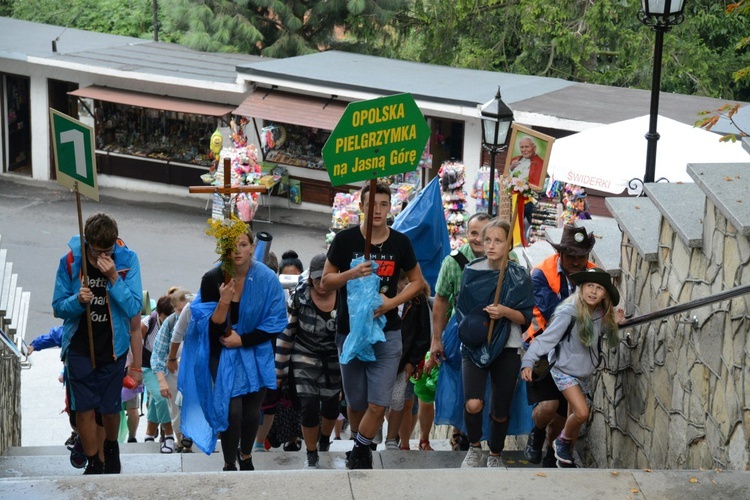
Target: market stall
x: 150, y: 137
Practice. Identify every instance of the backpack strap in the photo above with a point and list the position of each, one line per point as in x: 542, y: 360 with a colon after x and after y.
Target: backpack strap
x: 460, y: 259
x: 562, y: 339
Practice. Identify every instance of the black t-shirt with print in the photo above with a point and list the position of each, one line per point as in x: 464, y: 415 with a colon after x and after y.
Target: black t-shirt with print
x: 392, y: 255
x: 101, y: 322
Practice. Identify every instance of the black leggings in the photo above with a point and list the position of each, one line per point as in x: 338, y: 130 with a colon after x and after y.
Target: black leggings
x: 244, y: 418
x: 312, y: 407
x: 503, y: 372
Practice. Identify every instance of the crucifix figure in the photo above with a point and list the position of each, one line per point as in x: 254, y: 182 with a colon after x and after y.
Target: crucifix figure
x: 227, y: 190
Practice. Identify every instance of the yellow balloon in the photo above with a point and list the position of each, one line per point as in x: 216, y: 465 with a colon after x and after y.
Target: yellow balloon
x: 217, y: 141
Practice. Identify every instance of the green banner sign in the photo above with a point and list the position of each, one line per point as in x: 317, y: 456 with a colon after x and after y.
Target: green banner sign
x: 75, y: 161
x: 376, y: 138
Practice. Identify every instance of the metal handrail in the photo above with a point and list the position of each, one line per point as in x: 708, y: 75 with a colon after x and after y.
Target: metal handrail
x: 692, y: 304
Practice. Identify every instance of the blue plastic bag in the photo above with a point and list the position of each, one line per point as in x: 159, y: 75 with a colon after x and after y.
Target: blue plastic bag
x: 363, y: 297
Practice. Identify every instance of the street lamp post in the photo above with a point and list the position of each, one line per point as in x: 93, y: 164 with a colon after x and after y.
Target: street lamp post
x: 660, y: 15
x: 496, y: 121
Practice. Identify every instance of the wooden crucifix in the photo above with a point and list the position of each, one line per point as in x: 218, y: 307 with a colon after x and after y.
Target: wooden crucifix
x: 226, y: 191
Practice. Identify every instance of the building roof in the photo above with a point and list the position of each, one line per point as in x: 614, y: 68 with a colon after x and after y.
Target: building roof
x: 364, y: 73
x: 535, y: 100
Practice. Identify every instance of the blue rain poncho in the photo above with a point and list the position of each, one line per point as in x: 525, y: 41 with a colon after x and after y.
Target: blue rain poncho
x: 205, y: 402
x: 363, y: 297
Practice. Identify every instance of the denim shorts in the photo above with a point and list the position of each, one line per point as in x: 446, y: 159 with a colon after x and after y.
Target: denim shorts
x: 371, y: 382
x: 95, y: 389
x: 564, y: 381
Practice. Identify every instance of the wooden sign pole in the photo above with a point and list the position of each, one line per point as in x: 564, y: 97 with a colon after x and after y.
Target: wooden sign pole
x: 503, y: 267
x: 370, y: 212
x: 85, y: 275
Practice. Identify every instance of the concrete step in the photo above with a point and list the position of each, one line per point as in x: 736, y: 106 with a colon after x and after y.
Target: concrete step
x: 142, y: 458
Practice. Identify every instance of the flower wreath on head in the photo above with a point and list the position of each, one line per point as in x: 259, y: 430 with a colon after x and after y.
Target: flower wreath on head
x: 226, y: 232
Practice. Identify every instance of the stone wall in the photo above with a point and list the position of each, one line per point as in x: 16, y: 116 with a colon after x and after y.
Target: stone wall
x: 10, y: 399
x: 675, y: 395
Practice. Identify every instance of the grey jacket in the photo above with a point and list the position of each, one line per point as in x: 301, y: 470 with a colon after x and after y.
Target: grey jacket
x: 574, y: 358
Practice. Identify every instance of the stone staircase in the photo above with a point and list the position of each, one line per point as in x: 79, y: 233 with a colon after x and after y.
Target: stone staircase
x: 14, y: 310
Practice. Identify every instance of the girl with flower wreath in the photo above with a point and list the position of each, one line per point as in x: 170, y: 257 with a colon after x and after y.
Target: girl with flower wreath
x: 228, y: 358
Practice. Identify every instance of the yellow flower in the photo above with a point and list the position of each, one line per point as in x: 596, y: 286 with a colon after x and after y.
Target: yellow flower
x: 226, y: 232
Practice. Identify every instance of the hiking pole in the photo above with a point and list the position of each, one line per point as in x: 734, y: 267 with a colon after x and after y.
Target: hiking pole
x: 503, y: 267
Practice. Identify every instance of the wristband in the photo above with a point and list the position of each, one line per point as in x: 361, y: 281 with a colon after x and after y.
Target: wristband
x: 171, y: 359
x: 136, y: 369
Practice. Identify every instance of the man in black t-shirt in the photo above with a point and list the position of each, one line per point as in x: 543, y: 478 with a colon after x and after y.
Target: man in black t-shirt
x: 368, y: 385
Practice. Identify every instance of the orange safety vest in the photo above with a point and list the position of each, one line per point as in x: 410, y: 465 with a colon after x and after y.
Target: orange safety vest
x: 549, y: 269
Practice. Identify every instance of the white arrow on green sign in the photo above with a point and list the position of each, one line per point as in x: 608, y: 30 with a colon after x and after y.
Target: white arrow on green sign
x: 75, y: 161
x: 376, y: 138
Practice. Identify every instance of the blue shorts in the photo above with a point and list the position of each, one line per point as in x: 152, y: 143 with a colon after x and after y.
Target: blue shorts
x: 371, y: 382
x: 95, y: 389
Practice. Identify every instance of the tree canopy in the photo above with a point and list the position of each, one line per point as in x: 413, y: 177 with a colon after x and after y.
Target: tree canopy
x: 595, y: 41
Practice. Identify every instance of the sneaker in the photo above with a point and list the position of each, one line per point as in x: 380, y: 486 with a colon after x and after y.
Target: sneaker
x: 245, y: 463
x: 324, y: 443
x: 230, y: 467
x: 495, y: 461
x: 534, y: 445
x: 111, y: 457
x: 94, y: 466
x: 72, y: 439
x: 563, y: 451
x: 473, y: 457
x: 259, y: 447
x: 391, y: 444
x: 359, y: 458
x: 459, y: 442
x: 132, y: 440
x: 77, y: 456
x: 293, y: 446
x: 312, y: 461
x: 563, y: 465
x: 549, y: 460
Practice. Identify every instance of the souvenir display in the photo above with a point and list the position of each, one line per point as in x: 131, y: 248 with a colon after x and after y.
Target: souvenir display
x: 452, y: 178
x: 293, y: 144
x: 152, y: 133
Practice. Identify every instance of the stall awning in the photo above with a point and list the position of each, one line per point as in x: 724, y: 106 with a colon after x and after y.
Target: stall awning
x: 291, y: 108
x: 153, y: 101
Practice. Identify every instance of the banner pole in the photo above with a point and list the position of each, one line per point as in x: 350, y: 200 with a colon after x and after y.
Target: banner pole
x: 85, y: 273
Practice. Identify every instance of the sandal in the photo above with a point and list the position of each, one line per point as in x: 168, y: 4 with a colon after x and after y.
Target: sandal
x: 424, y: 445
x: 167, y: 446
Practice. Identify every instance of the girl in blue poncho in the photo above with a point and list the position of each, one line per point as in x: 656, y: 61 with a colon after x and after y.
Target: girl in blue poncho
x: 233, y: 365
x: 497, y: 358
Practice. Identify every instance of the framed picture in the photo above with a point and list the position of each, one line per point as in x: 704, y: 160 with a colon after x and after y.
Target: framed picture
x: 528, y: 155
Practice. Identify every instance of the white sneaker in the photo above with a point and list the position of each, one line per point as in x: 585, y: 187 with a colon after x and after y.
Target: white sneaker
x: 495, y: 461
x: 391, y: 444
x: 473, y: 457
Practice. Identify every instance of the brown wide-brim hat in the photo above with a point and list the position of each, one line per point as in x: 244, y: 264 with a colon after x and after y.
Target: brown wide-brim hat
x: 600, y: 277
x: 575, y: 241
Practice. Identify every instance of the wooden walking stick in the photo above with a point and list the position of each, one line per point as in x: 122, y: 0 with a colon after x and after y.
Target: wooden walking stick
x: 85, y: 275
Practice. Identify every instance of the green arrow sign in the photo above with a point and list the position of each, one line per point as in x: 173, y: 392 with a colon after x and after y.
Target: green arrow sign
x: 75, y: 162
x: 376, y: 138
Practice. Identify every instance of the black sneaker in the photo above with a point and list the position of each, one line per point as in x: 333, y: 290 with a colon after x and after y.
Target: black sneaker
x: 230, y: 467
x: 111, y: 457
x: 77, y: 456
x: 312, y: 461
x: 72, y: 439
x: 549, y: 458
x: 94, y: 466
x: 245, y: 463
x: 359, y: 458
x: 459, y: 442
x: 563, y: 465
x: 324, y: 443
x: 534, y: 445
x: 293, y: 446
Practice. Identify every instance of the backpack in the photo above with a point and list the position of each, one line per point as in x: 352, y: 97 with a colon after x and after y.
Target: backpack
x: 543, y: 366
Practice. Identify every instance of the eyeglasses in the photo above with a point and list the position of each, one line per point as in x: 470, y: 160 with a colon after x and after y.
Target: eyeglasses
x: 96, y: 252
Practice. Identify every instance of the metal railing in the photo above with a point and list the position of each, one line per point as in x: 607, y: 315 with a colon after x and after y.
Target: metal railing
x: 691, y: 304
